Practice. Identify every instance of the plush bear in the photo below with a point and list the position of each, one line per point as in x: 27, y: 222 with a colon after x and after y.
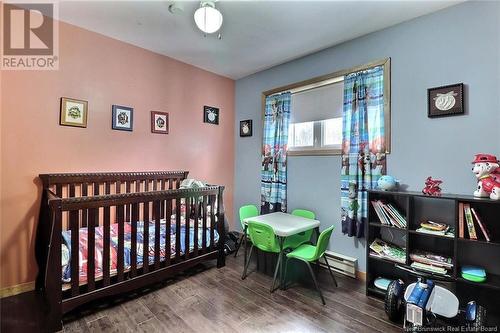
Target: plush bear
x: 487, y: 170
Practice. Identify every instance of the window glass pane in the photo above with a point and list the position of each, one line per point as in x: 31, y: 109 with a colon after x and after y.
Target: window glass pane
x: 290, y: 135
x: 303, y: 135
x: 332, y: 131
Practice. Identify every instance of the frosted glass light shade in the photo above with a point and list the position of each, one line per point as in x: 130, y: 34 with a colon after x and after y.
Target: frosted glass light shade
x: 208, y: 19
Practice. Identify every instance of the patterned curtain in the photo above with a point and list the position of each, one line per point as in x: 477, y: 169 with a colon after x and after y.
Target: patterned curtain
x: 273, y: 174
x: 363, y: 145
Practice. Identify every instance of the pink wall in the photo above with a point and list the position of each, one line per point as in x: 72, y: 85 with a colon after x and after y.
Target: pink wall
x: 103, y: 71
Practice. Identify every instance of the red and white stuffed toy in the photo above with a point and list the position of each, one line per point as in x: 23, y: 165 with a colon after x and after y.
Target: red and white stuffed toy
x: 487, y: 170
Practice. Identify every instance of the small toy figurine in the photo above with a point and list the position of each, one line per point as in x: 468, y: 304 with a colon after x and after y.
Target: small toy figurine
x: 387, y: 183
x: 432, y: 187
x: 487, y: 170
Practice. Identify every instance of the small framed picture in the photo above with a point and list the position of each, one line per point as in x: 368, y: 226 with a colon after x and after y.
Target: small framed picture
x: 246, y: 128
x: 159, y: 122
x: 73, y: 112
x: 211, y: 115
x: 445, y: 100
x: 123, y: 118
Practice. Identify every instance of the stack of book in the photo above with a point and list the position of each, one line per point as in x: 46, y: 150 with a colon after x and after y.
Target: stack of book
x: 470, y: 215
x: 385, y: 250
x: 435, y: 228
x: 388, y: 214
x: 429, y: 262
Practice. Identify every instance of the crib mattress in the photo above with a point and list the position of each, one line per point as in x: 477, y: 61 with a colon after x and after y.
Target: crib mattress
x: 99, y: 244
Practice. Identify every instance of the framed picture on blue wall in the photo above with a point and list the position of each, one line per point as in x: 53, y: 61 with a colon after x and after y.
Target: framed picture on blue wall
x: 122, y: 118
x: 246, y: 128
x: 446, y: 100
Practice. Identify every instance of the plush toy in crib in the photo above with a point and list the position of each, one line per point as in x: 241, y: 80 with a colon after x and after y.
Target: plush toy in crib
x: 487, y: 170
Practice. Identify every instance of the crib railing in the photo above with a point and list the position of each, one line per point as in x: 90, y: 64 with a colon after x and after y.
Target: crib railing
x: 70, y: 185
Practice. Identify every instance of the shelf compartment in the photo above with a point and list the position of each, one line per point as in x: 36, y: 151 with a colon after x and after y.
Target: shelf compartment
x: 429, y: 209
x: 439, y: 245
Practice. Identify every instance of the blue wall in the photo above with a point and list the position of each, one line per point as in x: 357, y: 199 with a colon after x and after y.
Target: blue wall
x: 458, y: 44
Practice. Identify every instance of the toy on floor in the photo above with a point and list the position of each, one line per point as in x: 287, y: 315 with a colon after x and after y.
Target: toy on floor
x: 487, y: 170
x: 387, y: 183
x: 432, y: 187
x: 425, y: 304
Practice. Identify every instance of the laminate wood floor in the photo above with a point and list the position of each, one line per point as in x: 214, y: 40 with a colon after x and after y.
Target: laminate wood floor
x: 217, y: 300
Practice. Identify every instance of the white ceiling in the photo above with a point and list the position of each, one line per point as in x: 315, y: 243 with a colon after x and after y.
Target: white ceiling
x: 256, y: 35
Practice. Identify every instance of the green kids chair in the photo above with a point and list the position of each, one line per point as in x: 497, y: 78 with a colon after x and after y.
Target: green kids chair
x: 310, y: 253
x: 245, y: 212
x: 263, y: 237
x: 294, y: 241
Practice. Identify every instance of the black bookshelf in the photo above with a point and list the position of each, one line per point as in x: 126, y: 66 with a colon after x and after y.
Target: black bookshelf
x: 417, y: 207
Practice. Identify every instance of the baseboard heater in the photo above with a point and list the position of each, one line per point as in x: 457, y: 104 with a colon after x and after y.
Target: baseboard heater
x: 341, y: 263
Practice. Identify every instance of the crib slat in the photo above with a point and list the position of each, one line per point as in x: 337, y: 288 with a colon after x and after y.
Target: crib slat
x: 106, y: 239
x: 75, y: 245
x: 168, y: 215
x: 133, y: 250
x: 162, y: 206
x: 212, y: 221
x: 177, y: 229
x: 96, y: 188
x: 204, y: 235
x: 121, y: 249
x: 195, y: 236
x: 118, y: 187
x: 93, y: 216
x: 155, y: 185
x: 170, y: 184
x: 85, y: 187
x: 59, y: 190
x: 188, y: 222
x: 145, y: 253
x: 127, y: 207
x: 156, y: 207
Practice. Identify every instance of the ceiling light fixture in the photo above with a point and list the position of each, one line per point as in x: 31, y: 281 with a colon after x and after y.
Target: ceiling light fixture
x: 207, y: 18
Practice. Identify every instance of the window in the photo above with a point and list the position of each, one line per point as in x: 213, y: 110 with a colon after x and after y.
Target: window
x: 316, y: 119
x: 316, y: 111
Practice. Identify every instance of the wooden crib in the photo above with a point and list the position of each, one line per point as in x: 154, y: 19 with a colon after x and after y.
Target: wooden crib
x: 109, y: 210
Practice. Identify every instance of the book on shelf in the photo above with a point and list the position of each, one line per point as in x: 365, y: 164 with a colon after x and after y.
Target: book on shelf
x: 380, y: 214
x: 388, y: 214
x: 461, y: 220
x: 470, y: 222
x: 448, y: 233
x: 429, y: 268
x: 483, y: 228
x: 434, y: 226
x: 386, y: 250
x: 430, y: 258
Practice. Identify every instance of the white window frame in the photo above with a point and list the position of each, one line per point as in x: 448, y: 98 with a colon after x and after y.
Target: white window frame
x: 328, y: 79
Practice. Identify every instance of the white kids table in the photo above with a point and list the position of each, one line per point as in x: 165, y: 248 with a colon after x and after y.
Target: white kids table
x: 284, y: 225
